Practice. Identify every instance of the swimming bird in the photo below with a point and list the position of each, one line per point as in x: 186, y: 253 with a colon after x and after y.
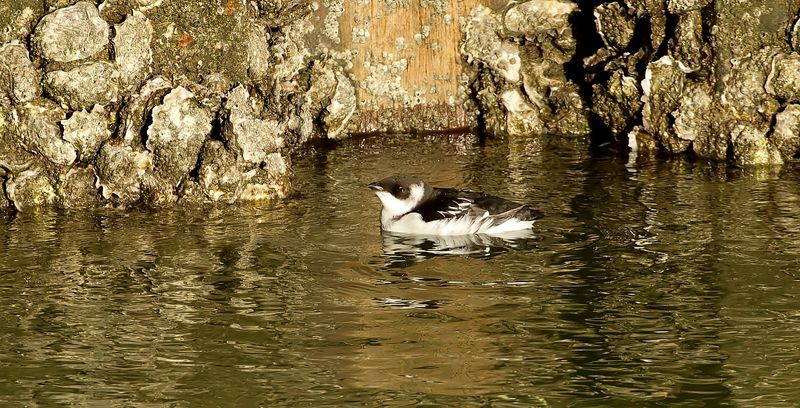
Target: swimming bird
x: 412, y: 206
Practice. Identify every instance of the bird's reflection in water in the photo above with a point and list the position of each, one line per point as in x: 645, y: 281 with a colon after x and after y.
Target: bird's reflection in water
x: 401, y: 250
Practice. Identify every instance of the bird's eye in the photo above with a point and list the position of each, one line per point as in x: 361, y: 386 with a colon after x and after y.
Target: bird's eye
x: 401, y: 190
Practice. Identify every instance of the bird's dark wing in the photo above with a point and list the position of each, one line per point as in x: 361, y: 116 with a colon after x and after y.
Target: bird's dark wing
x: 444, y: 203
x: 450, y: 203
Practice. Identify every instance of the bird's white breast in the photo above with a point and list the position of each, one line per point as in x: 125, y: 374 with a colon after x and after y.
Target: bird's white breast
x: 412, y: 223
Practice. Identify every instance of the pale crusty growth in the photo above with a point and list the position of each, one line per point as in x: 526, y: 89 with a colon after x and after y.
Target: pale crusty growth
x: 410, y: 55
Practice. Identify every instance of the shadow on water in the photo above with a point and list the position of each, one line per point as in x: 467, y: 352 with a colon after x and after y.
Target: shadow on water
x: 645, y: 284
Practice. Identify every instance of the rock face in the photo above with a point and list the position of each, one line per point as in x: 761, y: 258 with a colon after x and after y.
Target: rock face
x: 180, y: 126
x: 151, y: 102
x: 160, y: 102
x: 718, y: 82
x: 517, y: 67
x: 132, y: 52
x: 84, y: 86
x: 72, y: 33
x: 18, y: 77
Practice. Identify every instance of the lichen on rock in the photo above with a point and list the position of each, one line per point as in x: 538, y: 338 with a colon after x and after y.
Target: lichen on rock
x: 786, y: 132
x: 132, y: 52
x: 661, y: 91
x: 87, y: 130
x: 95, y: 83
x: 120, y: 171
x: 18, y: 76
x: 180, y: 126
x: 245, y: 131
x: 37, y: 128
x: 71, y: 33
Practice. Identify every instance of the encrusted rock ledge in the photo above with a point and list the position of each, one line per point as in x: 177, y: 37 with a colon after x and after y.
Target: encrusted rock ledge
x: 160, y: 102
x: 123, y: 102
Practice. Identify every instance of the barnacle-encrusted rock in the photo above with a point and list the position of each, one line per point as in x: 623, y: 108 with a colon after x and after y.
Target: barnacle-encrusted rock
x: 38, y: 129
x: 85, y: 85
x: 17, y: 19
x: 78, y: 188
x: 744, y: 93
x: 683, y: 6
x: 696, y: 122
x: 522, y: 119
x: 180, y: 125
x: 482, y: 44
x: 4, y: 125
x: 331, y: 97
x: 614, y: 24
x: 120, y: 171
x: 258, y: 54
x: 536, y: 17
x: 795, y: 39
x: 255, y: 138
x: 786, y: 132
x: 654, y: 11
x: 662, y: 88
x: 30, y: 188
x: 86, y: 131
x: 688, y: 47
x: 18, y: 77
x: 524, y: 90
x: 751, y: 147
x: 618, y: 102
x: 71, y: 34
x: 132, y: 51
x: 341, y: 108
x: 569, y: 114
x: 219, y: 176
x: 784, y: 78
x: 269, y: 182
x: 137, y: 108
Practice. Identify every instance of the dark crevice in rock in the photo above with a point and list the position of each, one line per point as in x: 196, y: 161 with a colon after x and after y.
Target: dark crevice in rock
x: 671, y: 28
x: 587, y: 43
x: 148, y: 121
x: 118, y: 125
x: 216, y: 130
x: 640, y: 43
x: 729, y: 152
x: 194, y: 173
x: 474, y: 88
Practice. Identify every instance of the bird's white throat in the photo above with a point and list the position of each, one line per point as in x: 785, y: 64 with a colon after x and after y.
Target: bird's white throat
x: 395, y: 207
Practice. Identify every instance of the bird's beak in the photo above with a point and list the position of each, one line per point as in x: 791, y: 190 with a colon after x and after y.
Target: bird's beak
x: 375, y: 186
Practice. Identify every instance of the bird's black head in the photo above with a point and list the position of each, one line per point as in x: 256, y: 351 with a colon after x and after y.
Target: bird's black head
x: 398, y: 186
x: 400, y: 194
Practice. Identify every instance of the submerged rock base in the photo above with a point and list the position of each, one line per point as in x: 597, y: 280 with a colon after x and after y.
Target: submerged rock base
x: 158, y: 102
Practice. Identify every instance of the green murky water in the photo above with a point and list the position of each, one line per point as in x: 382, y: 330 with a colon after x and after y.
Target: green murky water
x: 664, y: 283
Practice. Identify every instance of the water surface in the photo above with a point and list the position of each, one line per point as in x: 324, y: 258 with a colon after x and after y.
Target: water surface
x: 646, y: 284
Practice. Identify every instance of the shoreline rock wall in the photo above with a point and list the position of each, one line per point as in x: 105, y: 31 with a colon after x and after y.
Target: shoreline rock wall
x: 157, y: 102
x: 716, y: 79
x: 123, y: 102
